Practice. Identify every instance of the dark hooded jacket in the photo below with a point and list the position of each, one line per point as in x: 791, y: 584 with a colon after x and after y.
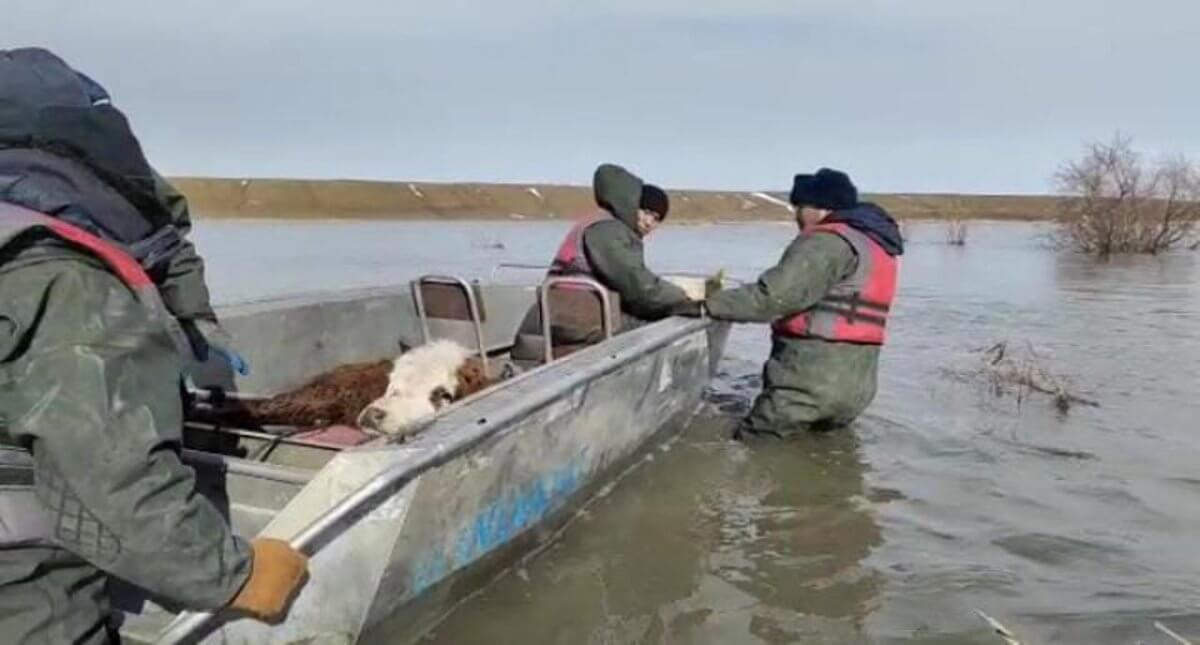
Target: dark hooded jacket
x: 47, y: 107
x: 66, y: 151
x: 89, y: 378
x: 808, y: 382
x: 614, y: 248
x: 875, y: 222
x: 616, y: 254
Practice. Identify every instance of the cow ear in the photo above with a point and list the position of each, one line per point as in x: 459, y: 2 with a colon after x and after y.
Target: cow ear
x: 468, y: 377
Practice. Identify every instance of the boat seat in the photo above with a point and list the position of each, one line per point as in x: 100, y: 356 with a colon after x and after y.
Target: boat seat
x: 450, y: 308
x: 585, y: 297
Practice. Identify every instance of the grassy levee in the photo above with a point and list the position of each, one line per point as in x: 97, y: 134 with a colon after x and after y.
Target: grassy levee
x: 351, y: 199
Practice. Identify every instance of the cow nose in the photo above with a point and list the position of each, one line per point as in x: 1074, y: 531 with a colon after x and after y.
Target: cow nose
x: 372, y: 417
x: 440, y: 398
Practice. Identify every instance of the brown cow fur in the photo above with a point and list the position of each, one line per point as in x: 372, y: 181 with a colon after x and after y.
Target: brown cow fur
x: 471, y: 379
x: 338, y: 397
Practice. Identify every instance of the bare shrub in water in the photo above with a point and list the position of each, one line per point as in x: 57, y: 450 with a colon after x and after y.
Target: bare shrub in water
x: 1116, y: 203
x: 956, y: 233
x: 1021, y: 373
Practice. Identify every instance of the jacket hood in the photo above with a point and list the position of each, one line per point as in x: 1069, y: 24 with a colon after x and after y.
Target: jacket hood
x: 874, y: 222
x: 619, y: 192
x: 46, y: 105
x: 67, y: 190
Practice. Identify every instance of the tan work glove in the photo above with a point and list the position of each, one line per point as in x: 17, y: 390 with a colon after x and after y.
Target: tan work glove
x: 693, y: 287
x: 715, y: 283
x: 277, y: 572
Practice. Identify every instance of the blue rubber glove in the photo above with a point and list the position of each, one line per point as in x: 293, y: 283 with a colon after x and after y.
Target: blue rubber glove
x: 207, y: 337
x: 234, y: 359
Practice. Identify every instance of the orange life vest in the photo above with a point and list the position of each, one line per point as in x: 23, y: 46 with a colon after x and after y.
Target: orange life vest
x: 856, y: 309
x: 571, y: 259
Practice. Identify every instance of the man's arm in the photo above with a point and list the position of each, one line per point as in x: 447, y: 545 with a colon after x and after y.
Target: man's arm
x: 618, y: 258
x: 183, y: 288
x: 810, y: 267
x: 95, y: 399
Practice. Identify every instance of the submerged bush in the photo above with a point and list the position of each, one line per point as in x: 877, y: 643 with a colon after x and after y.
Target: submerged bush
x: 1117, y: 203
x: 956, y: 233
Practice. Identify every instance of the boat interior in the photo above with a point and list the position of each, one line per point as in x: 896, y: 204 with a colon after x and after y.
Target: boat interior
x: 255, y: 469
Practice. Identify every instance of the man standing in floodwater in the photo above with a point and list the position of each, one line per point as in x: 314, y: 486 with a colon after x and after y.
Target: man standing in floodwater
x: 828, y: 301
x: 97, y: 288
x: 606, y: 246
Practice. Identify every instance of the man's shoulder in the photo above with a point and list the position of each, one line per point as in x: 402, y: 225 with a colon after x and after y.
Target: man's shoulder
x: 609, y: 225
x: 35, y: 277
x: 610, y: 231
x: 825, y: 248
x: 49, y: 261
x: 825, y: 241
x: 49, y: 292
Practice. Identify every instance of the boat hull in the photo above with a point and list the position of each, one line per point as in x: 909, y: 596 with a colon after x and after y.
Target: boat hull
x: 512, y: 464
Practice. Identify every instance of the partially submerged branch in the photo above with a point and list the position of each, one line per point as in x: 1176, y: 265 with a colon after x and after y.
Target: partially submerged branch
x: 1022, y: 372
x: 1000, y: 630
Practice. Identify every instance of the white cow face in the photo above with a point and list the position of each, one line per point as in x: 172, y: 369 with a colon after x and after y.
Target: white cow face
x: 422, y: 381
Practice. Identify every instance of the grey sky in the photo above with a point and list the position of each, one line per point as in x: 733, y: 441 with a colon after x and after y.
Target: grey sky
x: 916, y: 95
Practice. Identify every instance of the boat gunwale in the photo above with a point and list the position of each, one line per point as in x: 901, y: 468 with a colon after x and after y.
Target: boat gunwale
x: 249, y: 467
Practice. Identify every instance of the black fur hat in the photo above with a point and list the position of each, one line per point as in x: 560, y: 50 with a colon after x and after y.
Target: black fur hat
x: 655, y: 200
x: 829, y: 189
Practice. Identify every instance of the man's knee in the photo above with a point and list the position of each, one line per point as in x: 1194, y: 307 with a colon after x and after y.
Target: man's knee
x: 781, y: 412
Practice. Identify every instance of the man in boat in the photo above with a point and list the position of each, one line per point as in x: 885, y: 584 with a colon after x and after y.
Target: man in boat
x: 828, y: 301
x: 96, y: 282
x: 606, y: 246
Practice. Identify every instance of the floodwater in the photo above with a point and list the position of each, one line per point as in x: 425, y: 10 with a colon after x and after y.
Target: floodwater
x: 1081, y: 527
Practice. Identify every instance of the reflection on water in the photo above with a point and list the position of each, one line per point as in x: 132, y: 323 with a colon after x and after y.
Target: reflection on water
x: 709, y: 541
x: 943, y: 499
